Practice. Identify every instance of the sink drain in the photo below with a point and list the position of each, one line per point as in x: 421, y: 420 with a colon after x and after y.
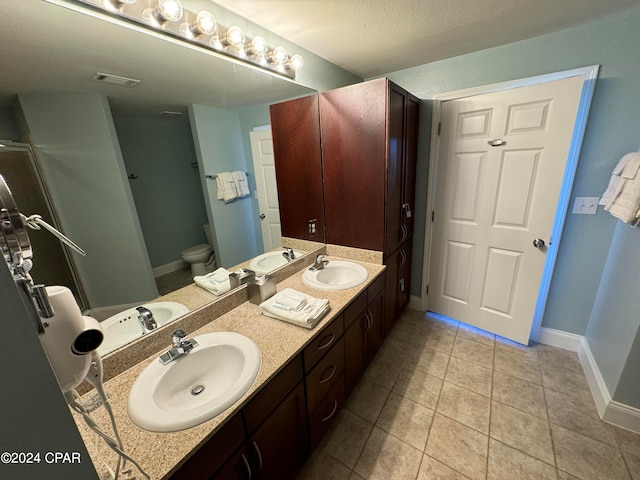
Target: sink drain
x: 197, y: 390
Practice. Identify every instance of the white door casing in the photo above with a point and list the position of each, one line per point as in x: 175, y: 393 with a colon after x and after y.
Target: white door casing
x: 493, y: 201
x: 263, y: 164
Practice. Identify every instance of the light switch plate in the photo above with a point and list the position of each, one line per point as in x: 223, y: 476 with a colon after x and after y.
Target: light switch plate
x: 586, y: 205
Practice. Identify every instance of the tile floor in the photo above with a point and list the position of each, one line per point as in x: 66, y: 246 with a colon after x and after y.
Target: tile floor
x: 442, y: 400
x: 174, y: 280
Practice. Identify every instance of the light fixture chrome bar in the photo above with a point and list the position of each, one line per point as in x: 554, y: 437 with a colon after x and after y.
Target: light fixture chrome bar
x: 168, y: 17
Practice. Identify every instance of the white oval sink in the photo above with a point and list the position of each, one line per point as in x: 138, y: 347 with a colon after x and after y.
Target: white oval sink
x: 195, y: 387
x: 269, y: 261
x: 122, y: 328
x: 336, y: 275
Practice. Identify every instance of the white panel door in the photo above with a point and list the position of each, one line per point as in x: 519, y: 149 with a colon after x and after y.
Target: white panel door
x: 263, y: 164
x: 501, y: 165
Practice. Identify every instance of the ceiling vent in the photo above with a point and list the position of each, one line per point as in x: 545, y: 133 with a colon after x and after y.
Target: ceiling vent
x: 115, y: 80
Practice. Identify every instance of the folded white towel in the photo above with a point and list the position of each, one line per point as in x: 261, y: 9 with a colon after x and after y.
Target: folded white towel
x: 242, y: 186
x: 622, y: 197
x: 307, y: 316
x: 216, y: 282
x: 227, y: 189
x: 289, y: 299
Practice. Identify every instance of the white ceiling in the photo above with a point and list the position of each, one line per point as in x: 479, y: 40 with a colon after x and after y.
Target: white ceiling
x: 45, y: 47
x: 373, y: 37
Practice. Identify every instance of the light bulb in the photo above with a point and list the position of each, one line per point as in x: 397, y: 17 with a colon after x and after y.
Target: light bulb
x: 234, y: 36
x: 296, y: 62
x: 278, y: 55
x: 258, y: 46
x: 165, y: 11
x: 204, y: 24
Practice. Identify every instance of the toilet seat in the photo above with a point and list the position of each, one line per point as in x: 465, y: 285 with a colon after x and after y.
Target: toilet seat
x: 197, y: 250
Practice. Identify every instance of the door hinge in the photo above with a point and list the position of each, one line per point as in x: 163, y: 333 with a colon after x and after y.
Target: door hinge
x: 433, y: 215
x: 439, y: 127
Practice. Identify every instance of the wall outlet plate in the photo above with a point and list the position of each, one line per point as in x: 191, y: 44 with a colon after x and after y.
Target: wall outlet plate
x: 586, y: 205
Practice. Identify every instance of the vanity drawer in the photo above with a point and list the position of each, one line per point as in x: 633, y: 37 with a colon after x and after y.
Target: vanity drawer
x: 326, y: 413
x: 376, y: 287
x: 261, y: 406
x: 323, y: 342
x: 324, y: 375
x: 355, y: 309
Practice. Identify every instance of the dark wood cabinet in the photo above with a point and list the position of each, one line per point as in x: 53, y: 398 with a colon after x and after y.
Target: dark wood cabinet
x: 364, y: 331
x: 295, y: 128
x: 398, y: 284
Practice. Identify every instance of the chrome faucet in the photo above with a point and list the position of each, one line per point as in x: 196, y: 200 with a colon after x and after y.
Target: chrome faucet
x: 288, y: 254
x: 146, y: 320
x: 181, y: 346
x: 320, y: 263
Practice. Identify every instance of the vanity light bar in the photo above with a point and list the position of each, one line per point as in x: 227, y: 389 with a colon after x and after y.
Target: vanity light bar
x: 169, y: 17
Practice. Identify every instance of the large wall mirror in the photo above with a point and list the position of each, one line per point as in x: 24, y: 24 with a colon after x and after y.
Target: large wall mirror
x: 130, y: 171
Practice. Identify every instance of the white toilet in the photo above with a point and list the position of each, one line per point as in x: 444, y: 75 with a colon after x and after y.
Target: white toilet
x: 200, y: 257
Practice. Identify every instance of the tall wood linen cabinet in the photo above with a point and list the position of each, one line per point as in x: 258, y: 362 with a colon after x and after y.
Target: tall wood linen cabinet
x: 368, y: 135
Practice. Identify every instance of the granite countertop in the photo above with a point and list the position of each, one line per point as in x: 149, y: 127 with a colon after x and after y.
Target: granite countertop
x: 160, y: 454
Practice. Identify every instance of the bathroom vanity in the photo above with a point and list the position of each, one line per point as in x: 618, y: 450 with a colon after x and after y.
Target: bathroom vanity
x: 303, y: 382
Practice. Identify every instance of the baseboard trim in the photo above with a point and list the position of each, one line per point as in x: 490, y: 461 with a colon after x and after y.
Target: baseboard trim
x: 610, y: 411
x: 415, y: 303
x: 169, y: 268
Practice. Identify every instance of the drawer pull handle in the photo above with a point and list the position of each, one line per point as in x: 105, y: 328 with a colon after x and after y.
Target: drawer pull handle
x: 257, y: 450
x: 324, y: 345
x: 335, y: 407
x: 324, y: 379
x: 246, y: 465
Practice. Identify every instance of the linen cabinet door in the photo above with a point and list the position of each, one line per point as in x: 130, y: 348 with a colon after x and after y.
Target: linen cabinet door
x: 295, y: 128
x: 395, y: 229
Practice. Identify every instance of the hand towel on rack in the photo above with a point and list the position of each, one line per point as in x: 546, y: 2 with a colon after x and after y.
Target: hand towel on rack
x: 226, y: 184
x: 242, y: 186
x: 622, y: 197
x: 216, y: 282
x: 308, y: 315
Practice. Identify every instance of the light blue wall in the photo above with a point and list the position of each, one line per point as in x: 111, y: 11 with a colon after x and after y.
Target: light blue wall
x: 594, y: 287
x: 167, y: 191
x: 76, y: 144
x: 218, y: 144
x: 611, y: 132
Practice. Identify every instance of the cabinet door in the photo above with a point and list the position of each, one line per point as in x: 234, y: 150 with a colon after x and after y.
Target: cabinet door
x: 236, y: 468
x: 412, y: 111
x: 396, y: 233
x: 353, y: 131
x: 354, y: 353
x: 404, y: 277
x: 296, y: 147
x: 279, y: 447
x: 375, y: 326
x: 391, y: 290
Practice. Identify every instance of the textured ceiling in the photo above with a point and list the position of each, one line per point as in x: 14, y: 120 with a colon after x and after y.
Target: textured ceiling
x: 373, y: 37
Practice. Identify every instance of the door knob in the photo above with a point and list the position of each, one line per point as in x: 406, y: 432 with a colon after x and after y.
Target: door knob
x: 262, y: 216
x: 538, y: 243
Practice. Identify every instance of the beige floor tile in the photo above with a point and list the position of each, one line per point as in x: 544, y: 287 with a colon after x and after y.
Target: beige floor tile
x: 521, y: 366
x: 469, y: 375
x: 438, y: 338
x: 407, y: 420
x: 565, y: 380
x: 519, y: 393
x: 367, y: 400
x: 506, y: 463
x: 465, y: 406
x: 385, y: 367
x: 473, y: 352
x: 514, y: 347
x: 633, y: 463
x: 346, y: 438
x: 586, y: 458
x: 432, y: 469
x: 323, y: 467
x: 355, y: 476
x: 469, y: 332
x: 558, y: 357
x: 565, y: 476
x: 580, y: 415
x: 417, y: 385
x: 458, y: 446
x: 433, y: 361
x: 385, y: 457
x: 522, y: 431
x: 628, y: 441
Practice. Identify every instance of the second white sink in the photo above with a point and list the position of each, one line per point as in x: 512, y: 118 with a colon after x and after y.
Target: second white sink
x: 336, y: 275
x: 269, y: 261
x: 197, y: 386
